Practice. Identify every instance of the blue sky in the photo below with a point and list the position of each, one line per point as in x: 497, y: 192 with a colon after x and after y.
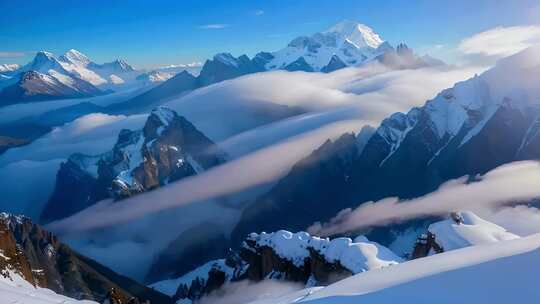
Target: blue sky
x: 151, y: 33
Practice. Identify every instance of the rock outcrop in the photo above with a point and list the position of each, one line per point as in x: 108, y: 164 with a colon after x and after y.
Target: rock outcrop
x: 294, y: 257
x: 168, y: 148
x: 40, y: 258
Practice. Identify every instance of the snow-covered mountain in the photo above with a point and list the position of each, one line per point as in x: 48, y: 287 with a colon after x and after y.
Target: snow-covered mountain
x: 345, y: 44
x: 36, y: 86
x: 8, y: 67
x: 351, y: 42
x: 166, y: 149
x: 471, y: 128
x: 71, y: 75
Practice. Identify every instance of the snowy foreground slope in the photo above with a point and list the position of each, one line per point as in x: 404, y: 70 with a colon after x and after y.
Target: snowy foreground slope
x: 500, y: 272
x: 17, y: 290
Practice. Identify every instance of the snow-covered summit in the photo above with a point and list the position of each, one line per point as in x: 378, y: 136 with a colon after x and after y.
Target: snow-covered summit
x: 352, y: 42
x: 75, y: 57
x: 360, y: 35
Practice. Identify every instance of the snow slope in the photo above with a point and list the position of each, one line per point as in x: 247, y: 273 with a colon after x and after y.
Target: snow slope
x: 19, y: 291
x: 472, y: 231
x: 501, y: 272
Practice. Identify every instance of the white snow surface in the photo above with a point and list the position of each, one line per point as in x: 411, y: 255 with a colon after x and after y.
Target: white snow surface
x: 500, y: 272
x: 8, y: 67
x: 352, y: 42
x: 358, y: 256
x: 473, y: 231
x: 18, y: 291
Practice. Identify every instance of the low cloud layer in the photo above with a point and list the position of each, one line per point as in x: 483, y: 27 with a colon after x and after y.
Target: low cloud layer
x: 258, y: 168
x: 12, y: 54
x: 247, y: 291
x: 512, y: 183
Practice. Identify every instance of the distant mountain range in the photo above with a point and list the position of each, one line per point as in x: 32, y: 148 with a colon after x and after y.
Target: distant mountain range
x: 74, y: 75
x: 71, y: 75
x: 346, y: 44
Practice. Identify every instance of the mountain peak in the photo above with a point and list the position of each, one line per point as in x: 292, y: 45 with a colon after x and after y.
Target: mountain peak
x: 75, y: 57
x: 43, y: 56
x: 356, y: 33
x: 226, y: 58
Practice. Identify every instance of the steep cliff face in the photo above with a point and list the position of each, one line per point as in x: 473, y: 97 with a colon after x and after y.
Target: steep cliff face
x: 41, y: 259
x: 282, y: 255
x: 168, y: 148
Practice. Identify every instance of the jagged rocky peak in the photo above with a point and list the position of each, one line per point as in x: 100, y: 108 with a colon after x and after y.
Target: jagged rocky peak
x: 283, y: 255
x: 37, y: 256
x: 43, y: 62
x: 43, y: 56
x: 168, y: 148
x: 225, y: 66
x: 122, y: 65
x: 227, y: 59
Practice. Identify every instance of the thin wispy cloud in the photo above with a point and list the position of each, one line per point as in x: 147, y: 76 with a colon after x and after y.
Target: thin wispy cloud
x: 12, y: 54
x: 511, y: 183
x: 258, y: 12
x: 499, y: 42
x: 213, y: 26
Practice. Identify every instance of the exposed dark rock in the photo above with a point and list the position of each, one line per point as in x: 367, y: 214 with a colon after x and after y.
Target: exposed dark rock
x: 334, y: 64
x: 167, y: 149
x: 41, y: 259
x: 425, y: 244
x: 299, y: 64
x: 195, y: 246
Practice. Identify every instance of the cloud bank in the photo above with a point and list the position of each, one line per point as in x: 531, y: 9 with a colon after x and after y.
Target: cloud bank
x: 252, y: 170
x: 512, y: 183
x: 499, y: 42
